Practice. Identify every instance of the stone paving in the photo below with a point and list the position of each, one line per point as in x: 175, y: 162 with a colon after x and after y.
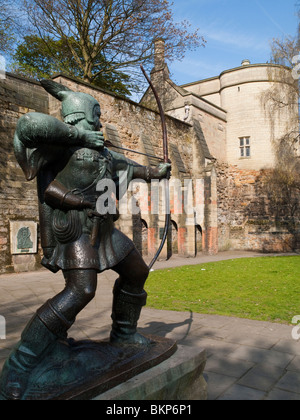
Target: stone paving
x: 246, y: 360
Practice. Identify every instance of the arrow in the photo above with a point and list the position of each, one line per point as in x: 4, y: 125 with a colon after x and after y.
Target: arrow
x: 107, y: 143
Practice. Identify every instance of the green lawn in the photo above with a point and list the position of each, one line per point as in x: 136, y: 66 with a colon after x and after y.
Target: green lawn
x: 266, y: 288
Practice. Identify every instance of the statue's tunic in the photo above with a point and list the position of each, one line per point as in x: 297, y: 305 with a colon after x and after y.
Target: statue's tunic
x: 82, y: 170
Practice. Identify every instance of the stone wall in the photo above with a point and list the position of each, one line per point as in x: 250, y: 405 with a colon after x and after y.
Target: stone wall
x: 125, y: 123
x: 132, y: 122
x: 17, y: 196
x: 234, y: 211
x: 246, y: 220
x: 136, y: 127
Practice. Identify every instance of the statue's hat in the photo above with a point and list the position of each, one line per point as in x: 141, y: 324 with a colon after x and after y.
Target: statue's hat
x: 73, y: 103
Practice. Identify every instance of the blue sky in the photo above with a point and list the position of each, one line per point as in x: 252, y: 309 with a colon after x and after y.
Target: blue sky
x: 234, y: 30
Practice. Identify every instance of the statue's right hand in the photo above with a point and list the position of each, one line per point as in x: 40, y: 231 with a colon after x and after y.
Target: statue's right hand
x: 93, y: 139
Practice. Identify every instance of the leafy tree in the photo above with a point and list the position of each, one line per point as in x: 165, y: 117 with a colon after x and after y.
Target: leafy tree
x: 7, y: 26
x: 110, y: 36
x: 39, y: 58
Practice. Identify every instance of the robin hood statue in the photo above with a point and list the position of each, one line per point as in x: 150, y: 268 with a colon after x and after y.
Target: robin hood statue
x: 69, y: 159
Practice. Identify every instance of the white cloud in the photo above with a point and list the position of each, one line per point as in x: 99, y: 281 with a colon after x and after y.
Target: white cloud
x: 231, y: 35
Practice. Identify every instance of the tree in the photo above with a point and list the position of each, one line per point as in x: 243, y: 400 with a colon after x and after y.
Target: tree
x: 284, y: 97
x: 7, y: 26
x: 107, y: 36
x: 281, y: 102
x: 39, y: 58
x: 282, y: 186
x: 13, y: 25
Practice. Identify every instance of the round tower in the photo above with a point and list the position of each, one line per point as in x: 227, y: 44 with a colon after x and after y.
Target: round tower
x: 253, y: 122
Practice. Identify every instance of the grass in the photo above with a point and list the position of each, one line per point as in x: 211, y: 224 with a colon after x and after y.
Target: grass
x: 264, y: 288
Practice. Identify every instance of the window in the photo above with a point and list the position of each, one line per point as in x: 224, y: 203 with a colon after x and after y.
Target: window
x: 245, y: 147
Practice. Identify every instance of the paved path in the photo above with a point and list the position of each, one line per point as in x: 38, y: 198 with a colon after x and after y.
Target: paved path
x: 247, y: 360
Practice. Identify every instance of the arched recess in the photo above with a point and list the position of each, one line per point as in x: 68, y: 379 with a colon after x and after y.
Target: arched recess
x: 198, y: 239
x: 144, y: 238
x: 140, y: 234
x: 174, y: 237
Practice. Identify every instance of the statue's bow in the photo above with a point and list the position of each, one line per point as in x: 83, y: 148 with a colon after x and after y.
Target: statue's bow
x: 166, y: 160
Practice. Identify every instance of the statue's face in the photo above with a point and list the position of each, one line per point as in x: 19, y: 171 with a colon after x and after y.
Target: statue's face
x: 96, y: 117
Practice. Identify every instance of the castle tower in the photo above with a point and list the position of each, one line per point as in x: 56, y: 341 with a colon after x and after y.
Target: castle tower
x: 253, y: 120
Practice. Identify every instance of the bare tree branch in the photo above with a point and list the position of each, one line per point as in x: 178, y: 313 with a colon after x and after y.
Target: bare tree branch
x: 122, y: 31
x: 281, y: 102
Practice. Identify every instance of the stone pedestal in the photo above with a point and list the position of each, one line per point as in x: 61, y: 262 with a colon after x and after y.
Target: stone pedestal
x: 85, y: 369
x: 178, y: 378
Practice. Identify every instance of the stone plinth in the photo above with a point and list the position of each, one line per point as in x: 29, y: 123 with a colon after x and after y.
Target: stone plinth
x: 178, y: 378
x: 82, y: 370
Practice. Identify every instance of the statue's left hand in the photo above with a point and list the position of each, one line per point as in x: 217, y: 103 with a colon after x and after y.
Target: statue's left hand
x: 164, y: 171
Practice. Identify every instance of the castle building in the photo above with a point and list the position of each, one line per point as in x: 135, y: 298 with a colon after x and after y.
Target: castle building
x: 221, y: 133
x: 237, y: 124
x: 231, y: 109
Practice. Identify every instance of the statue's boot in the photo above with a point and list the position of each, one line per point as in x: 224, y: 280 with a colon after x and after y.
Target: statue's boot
x: 36, y: 341
x: 126, y: 312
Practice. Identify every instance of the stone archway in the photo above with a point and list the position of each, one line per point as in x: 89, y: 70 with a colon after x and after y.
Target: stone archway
x: 174, y: 237
x: 140, y: 234
x: 198, y: 239
x: 144, y: 233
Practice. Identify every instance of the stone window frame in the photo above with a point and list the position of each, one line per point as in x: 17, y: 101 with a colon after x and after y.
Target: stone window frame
x: 245, y: 147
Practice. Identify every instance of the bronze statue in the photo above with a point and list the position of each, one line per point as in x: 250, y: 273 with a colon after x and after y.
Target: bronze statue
x: 69, y: 159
